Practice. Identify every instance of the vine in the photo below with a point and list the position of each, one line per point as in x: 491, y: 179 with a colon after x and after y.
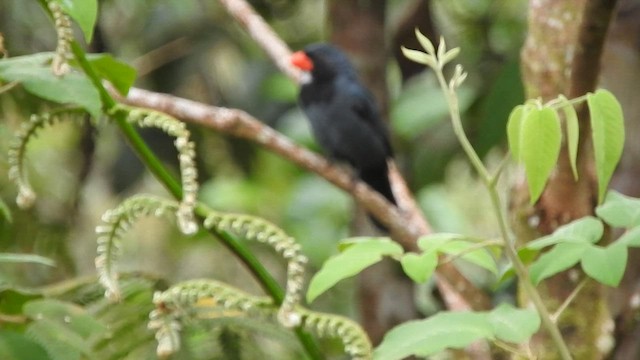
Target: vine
x: 115, y: 223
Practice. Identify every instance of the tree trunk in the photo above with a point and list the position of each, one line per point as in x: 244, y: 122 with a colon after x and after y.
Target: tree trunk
x: 562, y: 56
x: 621, y: 75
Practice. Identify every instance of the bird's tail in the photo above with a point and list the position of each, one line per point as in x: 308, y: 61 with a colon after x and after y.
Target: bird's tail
x: 378, y: 178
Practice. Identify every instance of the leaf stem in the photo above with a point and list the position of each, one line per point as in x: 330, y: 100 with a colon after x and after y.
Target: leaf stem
x: 569, y: 299
x: 510, y: 250
x: 557, y: 103
x: 470, y: 249
x: 511, y: 349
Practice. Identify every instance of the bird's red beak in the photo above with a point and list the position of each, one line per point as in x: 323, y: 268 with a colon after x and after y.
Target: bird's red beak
x: 300, y: 60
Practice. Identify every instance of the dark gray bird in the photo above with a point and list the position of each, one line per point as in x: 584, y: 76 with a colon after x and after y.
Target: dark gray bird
x: 343, y: 114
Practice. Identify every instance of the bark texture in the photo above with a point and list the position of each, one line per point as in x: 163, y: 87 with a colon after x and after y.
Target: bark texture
x: 562, y: 55
x: 621, y: 75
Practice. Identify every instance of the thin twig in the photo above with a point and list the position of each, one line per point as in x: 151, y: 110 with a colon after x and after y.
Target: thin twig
x: 263, y: 35
x: 162, y: 55
x: 510, y: 250
x: 8, y: 86
x: 513, y: 350
x: 568, y: 300
x: 470, y: 249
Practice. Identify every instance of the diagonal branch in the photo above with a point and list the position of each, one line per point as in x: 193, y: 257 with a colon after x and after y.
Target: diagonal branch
x: 240, y: 124
x: 457, y: 291
x: 585, y: 67
x: 263, y: 35
x: 406, y: 226
x: 280, y: 54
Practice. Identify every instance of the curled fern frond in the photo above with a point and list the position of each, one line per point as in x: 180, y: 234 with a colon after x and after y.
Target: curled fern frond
x: 167, y: 334
x: 62, y: 23
x: 355, y: 340
x: 17, y: 152
x: 185, y: 298
x: 257, y: 229
x: 186, y: 157
x: 115, y: 223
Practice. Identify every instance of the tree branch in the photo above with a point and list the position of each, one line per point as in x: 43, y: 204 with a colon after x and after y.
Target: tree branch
x: 240, y: 124
x: 585, y: 67
x: 263, y: 35
x: 405, y: 226
x: 280, y: 54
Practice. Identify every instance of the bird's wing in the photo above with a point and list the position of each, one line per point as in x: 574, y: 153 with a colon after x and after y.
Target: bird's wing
x: 364, y: 105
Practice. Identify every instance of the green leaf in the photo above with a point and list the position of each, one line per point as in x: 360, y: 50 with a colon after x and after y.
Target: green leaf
x: 13, y: 298
x: 540, y: 140
x: 64, y: 329
x: 526, y: 255
x: 420, y: 57
x: 118, y: 73
x: 16, y: 346
x: 69, y: 315
x: 419, y: 267
x: 25, y: 258
x: 558, y: 259
x: 605, y: 264
x: 445, y: 330
x: 442, y: 49
x: 84, y: 12
x: 607, y: 125
x: 514, y: 325
x: 436, y: 240
x: 5, y: 212
x: 514, y: 126
x: 35, y: 75
x: 480, y: 257
x: 573, y: 132
x: 425, y: 43
x: 631, y: 238
x: 360, y: 254
x: 551, y: 240
x: 587, y: 229
x: 450, y: 55
x: 60, y: 342
x: 619, y: 210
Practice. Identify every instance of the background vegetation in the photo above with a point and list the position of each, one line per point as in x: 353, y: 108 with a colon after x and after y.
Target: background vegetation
x: 197, y: 51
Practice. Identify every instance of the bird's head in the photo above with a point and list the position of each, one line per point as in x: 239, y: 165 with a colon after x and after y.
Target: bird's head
x: 322, y: 62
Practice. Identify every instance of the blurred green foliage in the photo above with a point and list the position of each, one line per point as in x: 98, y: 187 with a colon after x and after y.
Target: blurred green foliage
x: 194, y: 49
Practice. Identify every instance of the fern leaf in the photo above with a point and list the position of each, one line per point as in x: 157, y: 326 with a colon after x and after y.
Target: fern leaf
x: 115, y: 223
x: 257, y: 229
x: 18, y: 148
x: 355, y: 340
x: 186, y: 157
